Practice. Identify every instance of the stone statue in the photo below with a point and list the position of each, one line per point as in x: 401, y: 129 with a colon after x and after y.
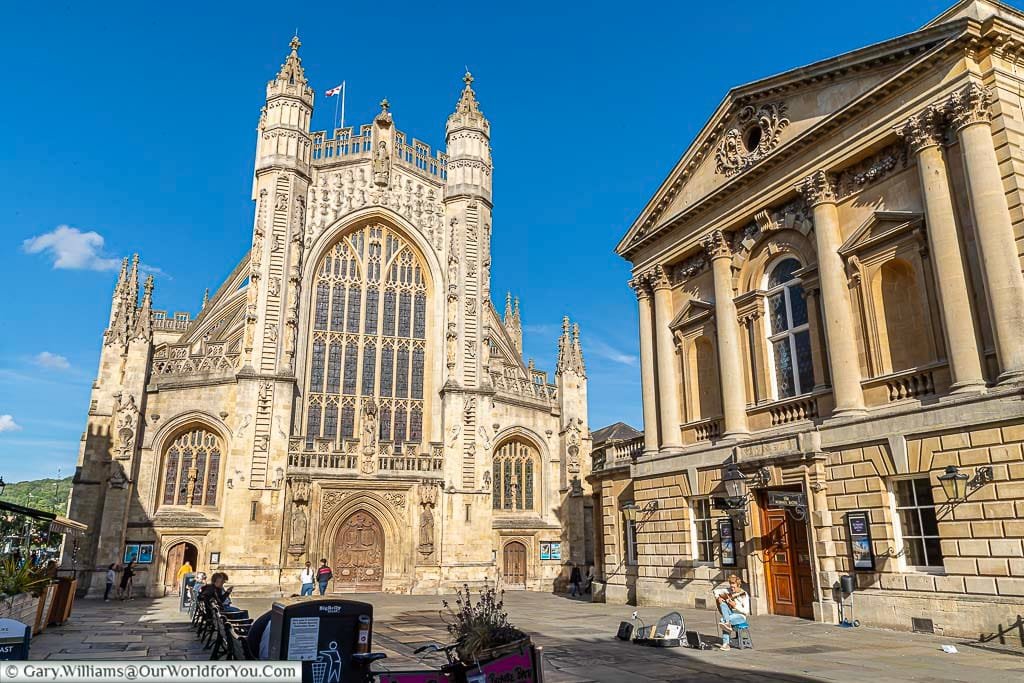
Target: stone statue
x: 427, y: 528
x: 298, y: 536
x: 369, y: 426
x: 381, y: 165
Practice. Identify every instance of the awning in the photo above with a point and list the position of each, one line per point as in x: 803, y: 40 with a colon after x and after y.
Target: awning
x: 63, y: 525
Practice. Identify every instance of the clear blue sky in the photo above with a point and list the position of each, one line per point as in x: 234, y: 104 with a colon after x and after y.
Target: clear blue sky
x: 136, y: 122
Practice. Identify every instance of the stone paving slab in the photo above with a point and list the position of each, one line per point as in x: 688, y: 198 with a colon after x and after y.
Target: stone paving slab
x: 578, y: 641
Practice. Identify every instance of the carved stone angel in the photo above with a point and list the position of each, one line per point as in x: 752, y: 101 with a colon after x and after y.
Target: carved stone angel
x: 381, y: 164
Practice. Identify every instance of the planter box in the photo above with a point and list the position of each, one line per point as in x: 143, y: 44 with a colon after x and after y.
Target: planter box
x: 43, y: 610
x: 23, y: 607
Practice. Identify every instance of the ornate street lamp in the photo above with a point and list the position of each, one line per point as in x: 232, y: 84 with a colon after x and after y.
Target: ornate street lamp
x: 629, y: 511
x: 957, y: 485
x: 735, y: 483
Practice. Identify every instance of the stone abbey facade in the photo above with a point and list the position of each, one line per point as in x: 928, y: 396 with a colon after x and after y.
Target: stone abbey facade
x: 350, y: 391
x: 831, y: 311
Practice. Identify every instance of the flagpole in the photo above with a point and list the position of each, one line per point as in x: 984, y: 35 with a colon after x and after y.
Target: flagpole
x: 342, y: 104
x: 336, y: 114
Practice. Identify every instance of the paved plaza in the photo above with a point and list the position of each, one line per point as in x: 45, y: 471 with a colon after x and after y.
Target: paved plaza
x: 578, y: 640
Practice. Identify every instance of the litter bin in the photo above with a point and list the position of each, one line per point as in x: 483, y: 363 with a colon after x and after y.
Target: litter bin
x: 322, y: 634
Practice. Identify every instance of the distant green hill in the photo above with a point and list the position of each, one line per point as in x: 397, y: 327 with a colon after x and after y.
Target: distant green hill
x: 50, y: 495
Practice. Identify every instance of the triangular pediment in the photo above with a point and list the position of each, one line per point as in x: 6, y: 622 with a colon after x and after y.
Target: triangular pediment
x: 880, y: 227
x: 694, y: 311
x: 978, y: 10
x: 767, y: 119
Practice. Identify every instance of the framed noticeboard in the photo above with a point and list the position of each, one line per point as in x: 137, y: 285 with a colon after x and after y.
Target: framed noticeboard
x: 545, y: 551
x: 551, y: 550
x: 726, y: 543
x: 131, y: 553
x: 145, y: 553
x: 858, y: 529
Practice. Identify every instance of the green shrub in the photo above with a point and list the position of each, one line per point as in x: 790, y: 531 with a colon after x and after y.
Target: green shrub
x: 15, y: 578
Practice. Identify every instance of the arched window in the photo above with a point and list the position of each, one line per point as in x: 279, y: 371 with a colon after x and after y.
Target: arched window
x: 515, y: 465
x: 192, y: 468
x: 789, y: 337
x: 368, y: 339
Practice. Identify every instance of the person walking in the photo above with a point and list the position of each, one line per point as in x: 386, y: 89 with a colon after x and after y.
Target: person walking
x: 323, y: 575
x: 111, y: 577
x: 126, y: 581
x: 185, y: 569
x: 306, y: 579
x: 588, y: 585
x: 575, y: 578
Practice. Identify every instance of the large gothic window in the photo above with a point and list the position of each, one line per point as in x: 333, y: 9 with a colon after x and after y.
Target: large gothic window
x: 192, y: 468
x: 789, y: 337
x: 368, y: 339
x: 515, y: 466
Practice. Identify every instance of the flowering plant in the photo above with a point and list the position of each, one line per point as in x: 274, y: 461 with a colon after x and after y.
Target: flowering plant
x: 480, y: 626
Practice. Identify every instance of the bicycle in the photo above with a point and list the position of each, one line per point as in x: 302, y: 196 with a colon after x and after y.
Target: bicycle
x: 453, y: 671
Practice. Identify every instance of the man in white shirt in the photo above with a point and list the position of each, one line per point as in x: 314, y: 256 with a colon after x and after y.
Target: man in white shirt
x: 734, y: 604
x: 306, y: 579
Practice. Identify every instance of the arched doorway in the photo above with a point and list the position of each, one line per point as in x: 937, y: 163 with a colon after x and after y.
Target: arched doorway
x: 514, y: 565
x: 177, y: 555
x: 359, y: 554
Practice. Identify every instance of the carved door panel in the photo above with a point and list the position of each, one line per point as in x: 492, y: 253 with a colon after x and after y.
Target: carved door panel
x: 175, y: 558
x: 358, y: 555
x: 778, y: 554
x: 803, y: 582
x: 515, y: 564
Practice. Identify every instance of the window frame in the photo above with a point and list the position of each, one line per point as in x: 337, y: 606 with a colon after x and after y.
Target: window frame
x: 898, y: 532
x: 695, y: 540
x: 790, y: 334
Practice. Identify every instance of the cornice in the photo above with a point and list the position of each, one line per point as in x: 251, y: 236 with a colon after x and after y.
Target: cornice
x: 930, y: 48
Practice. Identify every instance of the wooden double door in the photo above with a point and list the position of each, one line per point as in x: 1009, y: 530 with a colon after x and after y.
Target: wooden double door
x: 787, y: 562
x: 358, y: 555
x: 514, y: 564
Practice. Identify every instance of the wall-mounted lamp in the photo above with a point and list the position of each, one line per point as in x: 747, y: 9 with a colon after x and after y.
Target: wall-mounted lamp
x: 737, y: 489
x: 632, y: 513
x: 957, y: 485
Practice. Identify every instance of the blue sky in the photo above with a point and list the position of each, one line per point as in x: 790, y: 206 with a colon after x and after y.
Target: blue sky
x: 133, y: 125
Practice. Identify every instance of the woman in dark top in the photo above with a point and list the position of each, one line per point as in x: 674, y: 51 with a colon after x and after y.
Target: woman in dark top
x: 126, y: 581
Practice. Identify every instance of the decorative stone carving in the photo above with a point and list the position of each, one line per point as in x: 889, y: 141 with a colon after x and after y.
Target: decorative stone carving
x: 572, y: 448
x: 717, y: 246
x: 969, y: 105
x: 428, y: 499
x: 395, y: 500
x: 300, y: 491
x: 754, y: 137
x: 297, y: 539
x: 818, y: 188
x: 127, y: 424
x: 889, y: 160
x: 330, y: 500
x: 692, y: 266
x: 487, y: 481
x: 281, y: 202
x: 368, y: 440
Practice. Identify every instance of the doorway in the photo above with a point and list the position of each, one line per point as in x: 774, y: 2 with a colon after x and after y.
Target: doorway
x: 514, y: 565
x: 359, y: 555
x: 787, y: 563
x: 177, y: 556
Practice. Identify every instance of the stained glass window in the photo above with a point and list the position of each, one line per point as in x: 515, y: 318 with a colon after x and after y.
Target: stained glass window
x: 514, y: 475
x: 789, y: 336
x: 402, y: 374
x: 351, y: 358
x: 192, y: 460
x: 334, y: 369
x: 354, y: 312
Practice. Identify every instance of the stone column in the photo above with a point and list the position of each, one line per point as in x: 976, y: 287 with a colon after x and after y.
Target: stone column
x: 969, y: 111
x: 727, y: 326
x: 819, y: 191
x: 643, y: 297
x: 668, y: 377
x: 924, y: 133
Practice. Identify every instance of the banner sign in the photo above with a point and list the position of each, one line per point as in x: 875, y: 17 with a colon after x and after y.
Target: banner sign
x: 786, y: 499
x: 858, y: 528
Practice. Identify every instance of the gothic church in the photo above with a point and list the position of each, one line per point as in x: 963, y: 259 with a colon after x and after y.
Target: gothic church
x: 349, y: 392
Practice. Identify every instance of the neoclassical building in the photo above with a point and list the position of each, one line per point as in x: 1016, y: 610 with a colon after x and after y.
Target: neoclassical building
x: 349, y: 392
x: 832, y: 343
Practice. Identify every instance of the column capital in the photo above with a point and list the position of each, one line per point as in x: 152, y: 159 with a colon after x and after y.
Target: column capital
x: 924, y: 129
x: 641, y: 286
x: 969, y: 105
x: 818, y: 188
x: 658, y: 277
x: 717, y: 246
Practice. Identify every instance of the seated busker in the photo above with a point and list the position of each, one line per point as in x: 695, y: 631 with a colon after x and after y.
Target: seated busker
x: 734, y: 605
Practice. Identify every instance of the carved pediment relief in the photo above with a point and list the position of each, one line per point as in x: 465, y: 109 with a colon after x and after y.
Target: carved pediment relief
x: 695, y: 312
x: 755, y: 134
x: 881, y: 228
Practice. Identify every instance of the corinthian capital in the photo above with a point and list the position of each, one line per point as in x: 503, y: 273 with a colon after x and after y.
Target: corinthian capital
x: 817, y: 188
x: 924, y: 129
x: 717, y: 246
x: 641, y: 286
x: 969, y: 105
x: 659, y: 278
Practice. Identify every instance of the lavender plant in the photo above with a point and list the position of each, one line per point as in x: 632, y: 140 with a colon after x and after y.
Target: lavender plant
x: 479, y: 626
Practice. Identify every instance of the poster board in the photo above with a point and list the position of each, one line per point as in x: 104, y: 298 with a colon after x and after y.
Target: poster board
x: 551, y: 550
x: 131, y: 553
x: 858, y: 531
x: 726, y: 543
